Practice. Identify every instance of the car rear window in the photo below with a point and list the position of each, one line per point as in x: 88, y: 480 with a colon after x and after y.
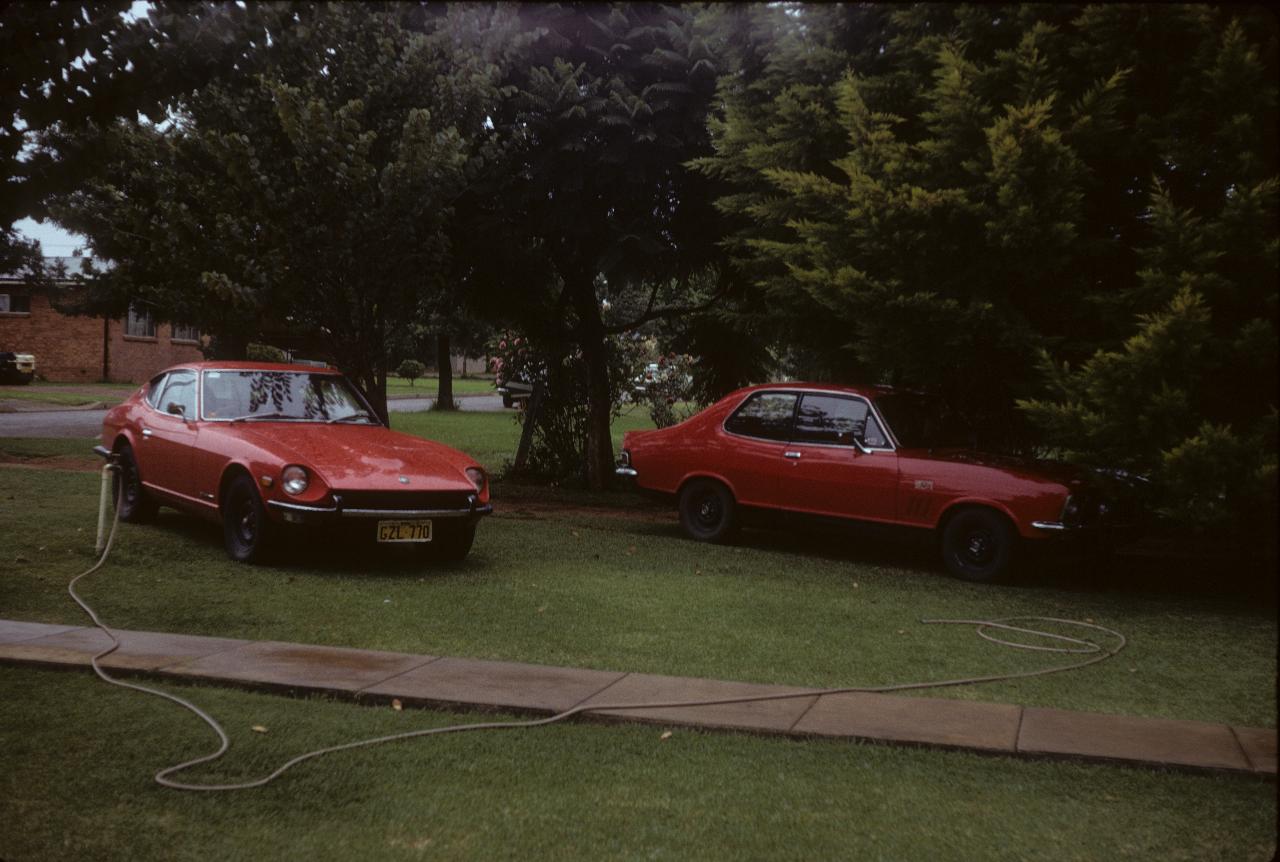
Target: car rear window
x: 766, y: 415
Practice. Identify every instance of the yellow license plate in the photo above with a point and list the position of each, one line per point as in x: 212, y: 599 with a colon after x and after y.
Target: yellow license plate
x: 404, y: 531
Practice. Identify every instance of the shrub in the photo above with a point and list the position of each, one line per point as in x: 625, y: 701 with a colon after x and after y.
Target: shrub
x: 411, y: 370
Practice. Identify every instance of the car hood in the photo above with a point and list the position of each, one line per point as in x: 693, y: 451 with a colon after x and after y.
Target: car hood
x: 1027, y: 468
x: 365, y: 457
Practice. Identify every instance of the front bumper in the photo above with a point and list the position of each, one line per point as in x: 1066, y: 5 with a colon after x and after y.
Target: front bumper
x: 299, y: 513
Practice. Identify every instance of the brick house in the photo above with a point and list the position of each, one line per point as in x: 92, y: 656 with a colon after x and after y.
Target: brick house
x: 76, y: 349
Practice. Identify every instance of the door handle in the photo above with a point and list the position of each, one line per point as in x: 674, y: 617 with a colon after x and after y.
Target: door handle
x: 790, y: 454
x: 146, y: 432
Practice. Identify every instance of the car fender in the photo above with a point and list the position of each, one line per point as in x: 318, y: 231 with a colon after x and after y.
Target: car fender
x: 236, y: 467
x: 706, y: 474
x: 982, y: 502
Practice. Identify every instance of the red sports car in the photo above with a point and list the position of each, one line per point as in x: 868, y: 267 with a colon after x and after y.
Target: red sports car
x: 261, y: 446
x: 860, y: 453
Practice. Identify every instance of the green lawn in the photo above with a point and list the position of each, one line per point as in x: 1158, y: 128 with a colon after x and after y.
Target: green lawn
x: 108, y: 393
x: 625, y: 591
x: 612, y: 587
x: 490, y: 438
x: 426, y: 387
x: 79, y: 756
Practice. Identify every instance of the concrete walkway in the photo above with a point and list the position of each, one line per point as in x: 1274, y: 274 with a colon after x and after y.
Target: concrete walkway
x: 378, y: 677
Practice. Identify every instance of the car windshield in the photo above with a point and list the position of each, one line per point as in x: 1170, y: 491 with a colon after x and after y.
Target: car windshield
x: 284, y: 395
x: 920, y: 421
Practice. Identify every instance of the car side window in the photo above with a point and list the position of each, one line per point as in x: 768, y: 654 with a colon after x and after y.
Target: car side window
x: 766, y: 415
x: 179, y: 391
x: 154, y: 388
x: 837, y: 420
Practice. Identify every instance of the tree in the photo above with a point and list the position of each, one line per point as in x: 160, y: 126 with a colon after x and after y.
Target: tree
x: 411, y: 370
x: 312, y: 200
x: 938, y: 196
x: 74, y: 62
x: 589, y: 198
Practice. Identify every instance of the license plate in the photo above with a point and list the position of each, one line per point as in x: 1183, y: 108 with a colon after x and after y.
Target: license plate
x: 404, y: 531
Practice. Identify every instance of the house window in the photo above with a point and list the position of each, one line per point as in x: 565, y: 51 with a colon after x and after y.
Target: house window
x: 11, y: 303
x: 139, y: 323
x: 185, y: 332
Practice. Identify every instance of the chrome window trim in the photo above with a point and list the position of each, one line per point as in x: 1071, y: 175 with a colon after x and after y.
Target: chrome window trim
x: 164, y: 384
x: 800, y: 393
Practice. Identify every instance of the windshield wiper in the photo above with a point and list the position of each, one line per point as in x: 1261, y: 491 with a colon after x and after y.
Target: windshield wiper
x: 359, y: 414
x: 252, y: 416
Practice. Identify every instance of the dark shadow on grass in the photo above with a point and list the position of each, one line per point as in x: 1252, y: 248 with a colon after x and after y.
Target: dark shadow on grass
x: 1046, y: 566
x: 328, y: 552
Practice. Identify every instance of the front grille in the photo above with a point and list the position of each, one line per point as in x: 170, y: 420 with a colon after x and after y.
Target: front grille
x: 404, y: 499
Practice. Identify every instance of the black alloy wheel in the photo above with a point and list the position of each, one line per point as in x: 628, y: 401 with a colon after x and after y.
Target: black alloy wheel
x: 707, y: 511
x: 245, y: 527
x: 134, y: 505
x: 978, y: 545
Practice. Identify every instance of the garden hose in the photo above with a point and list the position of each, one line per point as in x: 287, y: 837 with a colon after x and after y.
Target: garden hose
x: 164, y: 777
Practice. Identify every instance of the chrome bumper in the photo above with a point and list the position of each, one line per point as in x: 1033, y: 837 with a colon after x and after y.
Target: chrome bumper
x: 301, y: 512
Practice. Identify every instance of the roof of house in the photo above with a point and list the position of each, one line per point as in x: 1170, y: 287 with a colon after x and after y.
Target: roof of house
x: 59, y: 268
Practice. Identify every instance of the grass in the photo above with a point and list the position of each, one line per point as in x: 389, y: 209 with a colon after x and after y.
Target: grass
x: 426, y: 387
x: 32, y: 448
x: 79, y: 756
x: 111, y: 393
x: 490, y: 438
x: 625, y: 591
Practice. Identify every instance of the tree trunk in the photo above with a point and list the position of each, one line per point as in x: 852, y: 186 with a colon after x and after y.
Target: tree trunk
x: 444, y: 393
x: 595, y: 352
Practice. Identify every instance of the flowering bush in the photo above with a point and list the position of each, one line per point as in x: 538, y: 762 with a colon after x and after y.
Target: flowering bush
x: 666, y: 386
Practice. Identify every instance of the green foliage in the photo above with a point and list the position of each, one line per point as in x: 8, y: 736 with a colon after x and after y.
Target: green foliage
x: 265, y: 353
x: 981, y: 201
x: 587, y: 195
x: 411, y: 370
x: 311, y: 201
x: 558, y: 449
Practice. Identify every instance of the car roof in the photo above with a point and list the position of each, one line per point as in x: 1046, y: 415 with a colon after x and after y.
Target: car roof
x: 801, y: 386
x: 248, y: 365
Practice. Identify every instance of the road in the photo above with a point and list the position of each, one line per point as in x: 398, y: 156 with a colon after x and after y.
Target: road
x: 88, y: 423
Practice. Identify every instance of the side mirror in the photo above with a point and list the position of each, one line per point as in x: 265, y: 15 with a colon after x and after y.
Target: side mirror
x: 176, y: 409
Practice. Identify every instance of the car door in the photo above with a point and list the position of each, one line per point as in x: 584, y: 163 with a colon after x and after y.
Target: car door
x: 168, y: 436
x: 752, y: 442
x: 839, y: 461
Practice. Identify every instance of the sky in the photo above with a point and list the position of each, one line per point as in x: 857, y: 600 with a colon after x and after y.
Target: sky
x: 54, y: 241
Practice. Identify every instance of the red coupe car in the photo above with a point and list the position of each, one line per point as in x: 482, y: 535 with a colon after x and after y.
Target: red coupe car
x: 859, y: 453
x: 261, y: 446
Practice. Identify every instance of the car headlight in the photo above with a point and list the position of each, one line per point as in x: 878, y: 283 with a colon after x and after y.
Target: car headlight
x: 295, y: 479
x: 477, y: 477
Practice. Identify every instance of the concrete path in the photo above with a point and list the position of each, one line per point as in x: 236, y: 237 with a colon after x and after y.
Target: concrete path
x: 377, y: 677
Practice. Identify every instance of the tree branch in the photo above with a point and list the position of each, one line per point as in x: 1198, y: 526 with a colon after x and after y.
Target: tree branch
x: 669, y: 311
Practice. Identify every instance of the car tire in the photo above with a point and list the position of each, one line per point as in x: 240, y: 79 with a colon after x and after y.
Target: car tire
x: 132, y: 501
x: 246, y: 529
x: 450, y: 544
x: 708, y: 512
x: 978, y: 545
